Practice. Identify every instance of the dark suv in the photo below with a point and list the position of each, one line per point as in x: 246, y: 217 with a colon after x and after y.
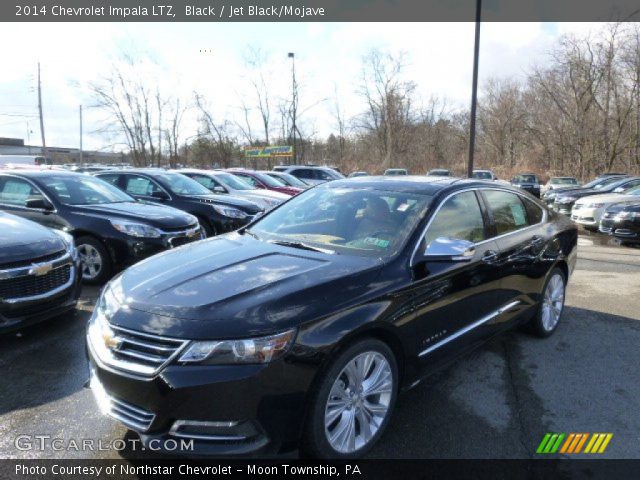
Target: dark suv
x: 528, y: 182
x: 111, y: 229
x: 216, y: 213
x: 38, y: 273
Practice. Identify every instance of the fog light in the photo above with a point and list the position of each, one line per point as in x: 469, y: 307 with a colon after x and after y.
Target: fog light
x: 213, y: 431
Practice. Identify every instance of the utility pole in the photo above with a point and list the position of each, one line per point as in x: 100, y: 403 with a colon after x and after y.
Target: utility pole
x: 44, y: 144
x: 293, y: 104
x: 81, y: 155
x: 474, y: 91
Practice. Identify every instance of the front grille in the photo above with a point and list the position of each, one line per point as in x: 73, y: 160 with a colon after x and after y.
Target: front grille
x: 31, y: 261
x: 37, y: 308
x: 132, y: 416
x: 141, y: 352
x: 33, y: 285
x: 179, y: 241
x: 179, y: 229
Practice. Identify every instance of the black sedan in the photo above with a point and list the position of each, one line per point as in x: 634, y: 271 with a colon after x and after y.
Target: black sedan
x: 622, y: 220
x: 304, y: 327
x: 549, y: 197
x: 39, y: 273
x: 566, y: 199
x: 216, y: 213
x: 111, y: 229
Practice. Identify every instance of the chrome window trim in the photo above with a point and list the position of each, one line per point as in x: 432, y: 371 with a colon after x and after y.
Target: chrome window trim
x: 28, y: 180
x: 468, y: 328
x: 25, y: 271
x: 474, y: 189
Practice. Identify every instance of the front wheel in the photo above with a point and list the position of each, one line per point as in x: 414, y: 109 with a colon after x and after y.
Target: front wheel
x: 96, y: 263
x: 351, y: 406
x: 550, y: 310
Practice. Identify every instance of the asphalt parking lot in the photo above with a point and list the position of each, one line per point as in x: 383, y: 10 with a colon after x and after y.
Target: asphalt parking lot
x: 496, y: 403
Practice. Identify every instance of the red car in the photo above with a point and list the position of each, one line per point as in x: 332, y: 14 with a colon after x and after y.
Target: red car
x: 264, y: 181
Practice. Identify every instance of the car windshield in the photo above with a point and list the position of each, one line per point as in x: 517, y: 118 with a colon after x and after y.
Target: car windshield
x: 635, y: 190
x: 234, y: 182
x: 344, y: 220
x: 288, y: 179
x: 269, y: 181
x: 482, y: 175
x: 183, y: 185
x: 563, y: 181
x: 83, y: 190
x: 526, y: 179
x: 599, y: 183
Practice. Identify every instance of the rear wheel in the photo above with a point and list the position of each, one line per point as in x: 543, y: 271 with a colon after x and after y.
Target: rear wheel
x: 551, y: 306
x: 96, y: 262
x: 351, y: 406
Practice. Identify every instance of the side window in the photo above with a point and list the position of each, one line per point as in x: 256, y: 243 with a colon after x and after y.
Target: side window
x: 205, y: 181
x: 304, y: 173
x: 534, y: 212
x: 322, y: 175
x: 508, y: 211
x: 16, y: 191
x: 111, y: 178
x: 250, y: 180
x: 459, y: 217
x: 136, y: 185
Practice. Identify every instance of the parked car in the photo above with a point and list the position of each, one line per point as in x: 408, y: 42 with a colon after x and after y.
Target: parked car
x: 311, y: 174
x: 265, y: 182
x: 528, y: 182
x: 215, y: 213
x: 549, y: 197
x: 622, y: 220
x: 588, y: 211
x: 111, y: 230
x: 439, y: 172
x: 484, y: 175
x: 559, y: 182
x: 287, y: 179
x: 358, y: 174
x: 39, y: 277
x: 302, y: 328
x: 565, y: 200
x: 226, y: 183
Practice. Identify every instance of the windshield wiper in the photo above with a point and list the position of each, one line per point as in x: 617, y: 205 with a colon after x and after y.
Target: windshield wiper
x: 302, y: 246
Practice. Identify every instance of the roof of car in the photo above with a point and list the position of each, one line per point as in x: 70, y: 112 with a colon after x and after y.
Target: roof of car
x: 36, y: 173
x: 148, y: 170
x: 409, y: 183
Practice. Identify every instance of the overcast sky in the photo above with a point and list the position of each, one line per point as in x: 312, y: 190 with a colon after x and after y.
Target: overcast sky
x: 328, y: 58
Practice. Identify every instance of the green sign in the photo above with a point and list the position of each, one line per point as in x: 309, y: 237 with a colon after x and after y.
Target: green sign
x: 267, y: 152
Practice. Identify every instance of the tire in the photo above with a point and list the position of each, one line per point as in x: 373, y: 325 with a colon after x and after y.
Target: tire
x: 96, y: 262
x: 549, y: 313
x: 209, y: 229
x: 321, y: 436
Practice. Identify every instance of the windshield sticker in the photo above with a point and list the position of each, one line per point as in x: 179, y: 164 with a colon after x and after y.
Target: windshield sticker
x: 378, y: 242
x: 519, y: 216
x: 403, y: 207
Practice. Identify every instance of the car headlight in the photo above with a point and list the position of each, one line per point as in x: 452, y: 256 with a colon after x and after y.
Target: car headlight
x: 229, y: 212
x: 68, y: 241
x: 248, y: 350
x: 136, y: 229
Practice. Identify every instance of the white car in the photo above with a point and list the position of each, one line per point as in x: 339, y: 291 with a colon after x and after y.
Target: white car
x: 588, y: 211
x: 224, y: 182
x: 559, y: 183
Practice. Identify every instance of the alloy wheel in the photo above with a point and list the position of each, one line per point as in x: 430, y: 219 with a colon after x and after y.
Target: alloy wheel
x: 552, y: 302
x: 91, y: 261
x: 358, y: 402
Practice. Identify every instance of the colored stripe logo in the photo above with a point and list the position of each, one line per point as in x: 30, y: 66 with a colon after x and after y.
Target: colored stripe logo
x: 574, y: 443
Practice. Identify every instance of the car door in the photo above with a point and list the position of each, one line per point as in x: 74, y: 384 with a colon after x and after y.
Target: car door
x: 451, y: 301
x: 519, y: 229
x: 14, y: 193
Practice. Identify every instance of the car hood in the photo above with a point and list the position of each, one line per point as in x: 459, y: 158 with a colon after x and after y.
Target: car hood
x: 235, y: 286
x: 607, y: 198
x: 227, y: 200
x: 22, y: 240
x: 633, y: 206
x: 159, y: 216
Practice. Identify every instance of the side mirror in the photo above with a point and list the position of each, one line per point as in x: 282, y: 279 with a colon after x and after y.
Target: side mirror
x: 160, y: 195
x: 219, y: 189
x: 40, y: 203
x: 447, y: 249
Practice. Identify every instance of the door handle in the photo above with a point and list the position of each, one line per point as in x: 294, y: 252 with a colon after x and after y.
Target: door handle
x: 490, y: 256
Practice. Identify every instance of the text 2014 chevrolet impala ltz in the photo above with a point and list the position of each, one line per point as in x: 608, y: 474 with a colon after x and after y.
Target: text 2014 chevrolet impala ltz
x: 300, y: 329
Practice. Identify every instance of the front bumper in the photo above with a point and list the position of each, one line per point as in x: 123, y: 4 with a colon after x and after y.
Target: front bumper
x: 17, y: 315
x: 224, y: 410
x: 624, y: 229
x: 563, y: 208
x: 126, y: 250
x: 587, y: 216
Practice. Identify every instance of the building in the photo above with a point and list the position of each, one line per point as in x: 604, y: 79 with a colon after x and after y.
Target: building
x: 60, y: 155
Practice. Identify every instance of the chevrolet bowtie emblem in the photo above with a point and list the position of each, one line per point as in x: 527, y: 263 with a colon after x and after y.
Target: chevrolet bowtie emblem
x: 111, y: 341
x: 39, y: 270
